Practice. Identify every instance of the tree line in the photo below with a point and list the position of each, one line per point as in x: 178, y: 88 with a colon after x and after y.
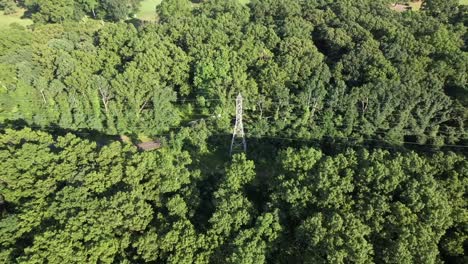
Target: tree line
x: 59, y: 11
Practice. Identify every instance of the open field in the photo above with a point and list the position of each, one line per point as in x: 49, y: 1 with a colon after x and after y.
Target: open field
x: 415, y: 6
x: 147, y: 10
x: 6, y: 20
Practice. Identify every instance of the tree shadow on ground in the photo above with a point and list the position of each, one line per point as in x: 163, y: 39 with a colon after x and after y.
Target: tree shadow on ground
x: 55, y: 130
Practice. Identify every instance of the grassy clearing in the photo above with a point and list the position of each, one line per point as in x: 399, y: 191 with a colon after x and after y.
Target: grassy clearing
x: 6, y: 20
x: 415, y: 6
x: 143, y: 138
x: 147, y: 10
x: 126, y: 139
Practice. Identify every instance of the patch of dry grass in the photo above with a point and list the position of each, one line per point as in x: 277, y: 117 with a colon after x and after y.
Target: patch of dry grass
x: 416, y: 6
x: 6, y: 20
x: 148, y: 10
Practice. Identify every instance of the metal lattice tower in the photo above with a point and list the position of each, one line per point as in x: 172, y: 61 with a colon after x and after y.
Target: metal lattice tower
x: 238, y: 137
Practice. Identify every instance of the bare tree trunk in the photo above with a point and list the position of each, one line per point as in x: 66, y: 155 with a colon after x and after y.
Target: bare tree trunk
x: 105, y: 97
x: 261, y: 110
x: 43, y: 96
x: 365, y: 104
x: 314, y: 108
x: 104, y: 101
x: 142, y: 107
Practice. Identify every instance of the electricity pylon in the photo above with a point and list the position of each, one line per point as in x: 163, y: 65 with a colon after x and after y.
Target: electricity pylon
x: 238, y: 137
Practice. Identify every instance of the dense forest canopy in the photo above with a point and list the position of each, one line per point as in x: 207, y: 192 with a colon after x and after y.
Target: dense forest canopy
x: 354, y: 113
x: 70, y: 201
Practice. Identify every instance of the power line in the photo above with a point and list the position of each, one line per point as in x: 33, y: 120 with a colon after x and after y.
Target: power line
x: 247, y: 109
x: 274, y: 111
x: 213, y: 114
x: 352, y: 128
x: 364, y: 139
x: 279, y: 137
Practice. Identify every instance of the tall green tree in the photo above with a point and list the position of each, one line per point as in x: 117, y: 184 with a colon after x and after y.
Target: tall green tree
x: 68, y: 210
x: 442, y: 10
x: 51, y: 11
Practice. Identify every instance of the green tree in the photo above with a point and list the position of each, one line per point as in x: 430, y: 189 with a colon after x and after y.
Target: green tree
x: 8, y: 6
x: 368, y: 206
x: 442, y: 10
x: 68, y: 210
x: 51, y: 11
